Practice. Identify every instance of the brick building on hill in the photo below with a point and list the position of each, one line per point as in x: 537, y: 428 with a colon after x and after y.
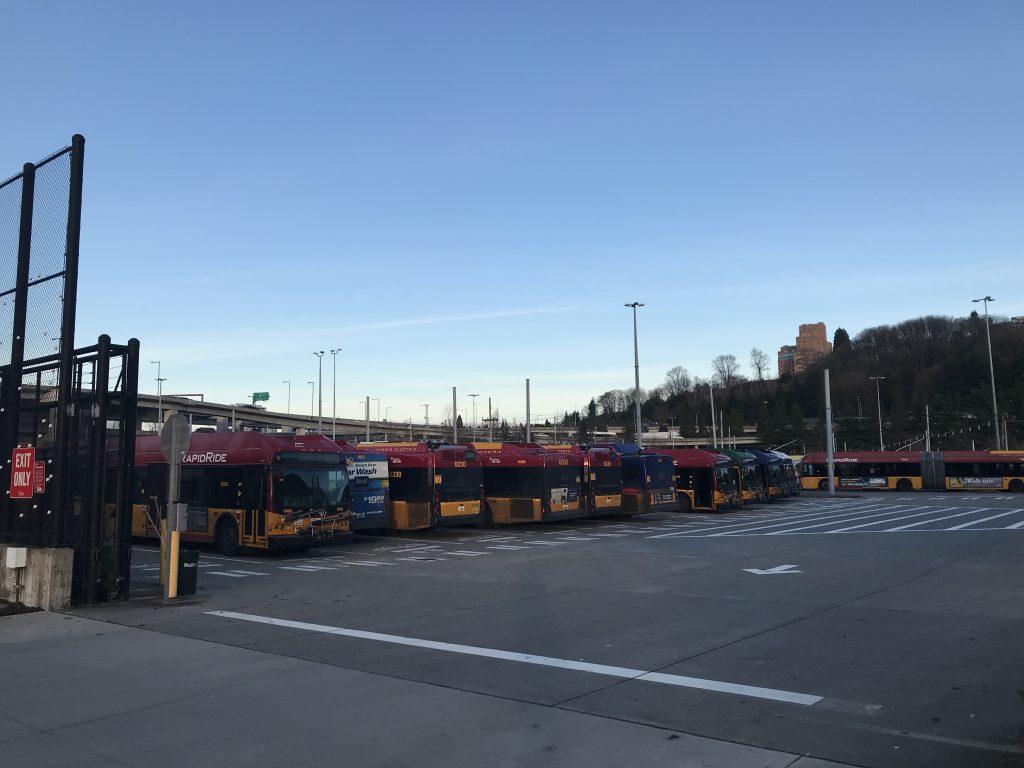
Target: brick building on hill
x: 811, y: 344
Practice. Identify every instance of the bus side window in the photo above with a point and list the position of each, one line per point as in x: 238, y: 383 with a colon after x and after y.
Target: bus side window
x: 253, y: 488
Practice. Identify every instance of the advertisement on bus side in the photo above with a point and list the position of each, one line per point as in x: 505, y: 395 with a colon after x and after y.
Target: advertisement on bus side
x: 961, y: 483
x: 862, y: 482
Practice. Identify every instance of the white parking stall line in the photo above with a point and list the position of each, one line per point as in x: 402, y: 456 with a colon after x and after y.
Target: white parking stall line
x: 935, y: 520
x: 1015, y: 525
x: 424, y: 559
x: 506, y: 547
x: 467, y: 553
x: 983, y: 520
x: 226, y: 573
x: 829, y: 519
x: 719, y: 686
x: 307, y: 568
x: 371, y: 563
x: 891, y: 519
x: 576, y: 538
x: 604, y: 536
x: 546, y: 543
x: 250, y: 573
x: 718, y: 524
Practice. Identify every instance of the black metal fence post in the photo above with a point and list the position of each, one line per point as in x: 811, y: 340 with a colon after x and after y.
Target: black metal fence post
x: 97, y: 469
x: 126, y: 451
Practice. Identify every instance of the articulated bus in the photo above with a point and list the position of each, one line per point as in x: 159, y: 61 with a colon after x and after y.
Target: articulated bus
x: 648, y: 479
x: 368, y: 481
x: 877, y: 470
x: 984, y: 470
x: 247, y: 490
x: 601, y: 470
x: 705, y: 480
x: 525, y: 483
x: 752, y: 478
x: 432, y: 484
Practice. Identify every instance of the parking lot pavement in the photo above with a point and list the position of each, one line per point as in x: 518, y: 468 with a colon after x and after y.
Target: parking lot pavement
x: 873, y: 630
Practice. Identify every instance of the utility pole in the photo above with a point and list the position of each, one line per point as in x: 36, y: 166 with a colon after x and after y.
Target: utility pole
x: 527, y: 410
x: 455, y: 418
x: 334, y: 394
x: 490, y: 422
x: 426, y: 419
x: 714, y: 424
x: 636, y: 371
x: 312, y: 396
x: 367, y: 418
x: 927, y: 430
x: 878, y: 394
x: 159, y: 397
x: 991, y: 371
x: 288, y: 408
x: 829, y: 437
x: 320, y: 405
x: 474, y: 395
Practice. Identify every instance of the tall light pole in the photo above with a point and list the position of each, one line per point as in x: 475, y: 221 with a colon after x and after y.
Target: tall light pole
x: 991, y: 371
x: 312, y: 395
x: 288, y: 408
x: 474, y: 395
x: 714, y: 425
x: 636, y: 370
x: 878, y: 394
x: 159, y: 396
x: 426, y: 418
x: 320, y: 406
x: 334, y: 394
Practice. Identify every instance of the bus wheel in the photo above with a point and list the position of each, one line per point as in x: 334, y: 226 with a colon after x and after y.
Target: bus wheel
x: 823, y: 484
x: 904, y: 485
x: 1016, y: 485
x: 685, y: 505
x: 226, y: 536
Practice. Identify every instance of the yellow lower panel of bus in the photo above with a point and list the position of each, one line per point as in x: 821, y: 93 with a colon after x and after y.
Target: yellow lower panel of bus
x: 605, y: 502
x: 410, y: 515
x: 459, y: 508
x: 505, y: 511
x: 565, y: 506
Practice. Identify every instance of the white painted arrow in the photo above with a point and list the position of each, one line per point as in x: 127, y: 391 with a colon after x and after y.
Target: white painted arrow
x: 768, y: 571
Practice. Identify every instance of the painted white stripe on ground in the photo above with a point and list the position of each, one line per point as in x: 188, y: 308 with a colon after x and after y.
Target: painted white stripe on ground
x: 890, y: 520
x: 467, y: 554
x: 306, y: 568
x: 604, y: 535
x: 372, y: 563
x: 423, y: 559
x: 931, y: 520
x: 716, y: 524
x: 983, y: 520
x: 719, y: 686
x: 546, y: 543
x: 576, y: 538
x: 506, y: 547
x: 225, y: 573
x: 829, y: 519
x: 1015, y: 525
x: 251, y: 573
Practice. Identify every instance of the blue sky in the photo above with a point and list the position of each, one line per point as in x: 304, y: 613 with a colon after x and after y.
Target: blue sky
x: 466, y: 193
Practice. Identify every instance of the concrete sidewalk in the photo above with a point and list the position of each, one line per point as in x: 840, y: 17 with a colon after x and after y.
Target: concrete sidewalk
x: 83, y: 693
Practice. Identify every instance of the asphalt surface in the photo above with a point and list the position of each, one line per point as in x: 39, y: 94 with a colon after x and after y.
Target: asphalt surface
x: 871, y: 630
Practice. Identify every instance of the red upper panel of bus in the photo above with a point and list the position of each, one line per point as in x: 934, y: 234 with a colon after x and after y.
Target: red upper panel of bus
x: 213, y: 448
x: 693, y: 458
x: 601, y: 457
x: 521, y: 455
x: 983, y: 457
x: 865, y: 457
x: 420, y: 455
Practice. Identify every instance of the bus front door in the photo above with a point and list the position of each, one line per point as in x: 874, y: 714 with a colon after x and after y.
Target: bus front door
x: 254, y: 528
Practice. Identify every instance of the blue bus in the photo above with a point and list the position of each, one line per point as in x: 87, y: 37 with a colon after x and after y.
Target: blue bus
x: 648, y: 479
x: 368, y: 484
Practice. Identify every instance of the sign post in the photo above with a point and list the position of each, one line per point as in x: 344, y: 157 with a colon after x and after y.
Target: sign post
x: 174, y: 440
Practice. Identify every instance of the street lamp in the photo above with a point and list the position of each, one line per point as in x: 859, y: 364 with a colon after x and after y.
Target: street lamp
x: 320, y: 406
x: 334, y: 394
x: 474, y: 395
x: 426, y: 418
x: 878, y: 394
x: 312, y: 394
x: 159, y: 396
x: 636, y: 368
x: 991, y: 370
x: 288, y: 408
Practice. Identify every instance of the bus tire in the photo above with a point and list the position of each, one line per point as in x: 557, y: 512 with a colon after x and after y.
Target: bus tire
x: 685, y: 505
x: 1016, y: 485
x: 823, y: 484
x: 904, y: 485
x: 225, y: 536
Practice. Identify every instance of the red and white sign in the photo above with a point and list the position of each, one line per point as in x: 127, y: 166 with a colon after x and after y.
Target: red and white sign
x: 23, y: 462
x: 39, y: 477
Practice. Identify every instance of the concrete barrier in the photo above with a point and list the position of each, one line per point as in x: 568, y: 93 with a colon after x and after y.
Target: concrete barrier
x: 45, y: 581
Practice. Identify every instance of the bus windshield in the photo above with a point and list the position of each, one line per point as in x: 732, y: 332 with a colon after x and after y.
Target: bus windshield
x: 306, y: 487
x: 608, y: 480
x: 726, y: 477
x: 460, y: 484
x: 662, y: 473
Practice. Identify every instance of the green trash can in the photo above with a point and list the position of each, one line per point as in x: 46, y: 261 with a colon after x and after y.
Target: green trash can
x: 188, y: 570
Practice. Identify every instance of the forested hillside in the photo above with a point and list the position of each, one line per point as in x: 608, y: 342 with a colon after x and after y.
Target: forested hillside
x: 941, y: 362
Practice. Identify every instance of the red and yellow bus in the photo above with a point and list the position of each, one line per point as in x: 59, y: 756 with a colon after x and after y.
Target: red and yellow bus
x: 864, y: 470
x: 247, y: 490
x: 432, y: 484
x: 601, y: 487
x: 525, y: 483
x: 706, y: 481
x: 984, y: 470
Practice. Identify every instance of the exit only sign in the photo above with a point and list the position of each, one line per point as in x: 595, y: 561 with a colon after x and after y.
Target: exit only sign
x: 23, y: 462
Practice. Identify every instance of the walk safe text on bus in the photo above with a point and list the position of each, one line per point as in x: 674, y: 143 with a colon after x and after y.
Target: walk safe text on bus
x: 247, y: 490
x: 525, y: 483
x: 431, y: 484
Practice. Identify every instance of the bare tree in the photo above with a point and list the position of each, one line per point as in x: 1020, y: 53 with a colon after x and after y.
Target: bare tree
x: 727, y: 370
x: 677, y: 381
x: 759, y: 362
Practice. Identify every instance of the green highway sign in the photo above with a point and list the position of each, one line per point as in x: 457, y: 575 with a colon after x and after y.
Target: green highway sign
x: 258, y: 396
